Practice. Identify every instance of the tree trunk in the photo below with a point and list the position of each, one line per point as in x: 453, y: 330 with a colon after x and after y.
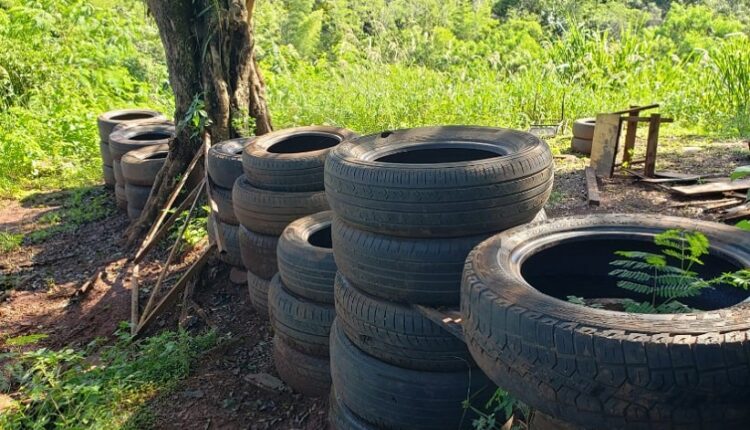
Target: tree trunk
x: 218, y: 88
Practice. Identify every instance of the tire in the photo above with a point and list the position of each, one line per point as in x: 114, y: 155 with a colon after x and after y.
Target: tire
x: 305, y: 256
x: 584, y: 128
x: 303, y: 324
x: 126, y: 139
x: 582, y: 146
x: 394, y: 398
x: 258, y: 289
x: 229, y: 232
x: 104, y: 152
x: 397, y: 334
x: 598, y: 368
x: 117, y: 171
x: 223, y: 199
x: 137, y: 195
x: 133, y: 213
x: 258, y: 253
x: 408, y: 270
x: 120, y: 199
x: 269, y: 212
x: 306, y: 374
x: 341, y: 417
x: 109, y: 176
x: 108, y: 120
x: 291, y: 159
x: 225, y: 161
x: 140, y: 167
x: 381, y: 183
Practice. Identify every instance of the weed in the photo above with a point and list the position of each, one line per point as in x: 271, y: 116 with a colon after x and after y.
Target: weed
x: 78, y: 207
x: 10, y: 241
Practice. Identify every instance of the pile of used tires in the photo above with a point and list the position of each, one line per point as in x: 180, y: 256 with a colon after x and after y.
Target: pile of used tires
x: 409, y: 205
x: 282, y: 181
x: 583, y: 135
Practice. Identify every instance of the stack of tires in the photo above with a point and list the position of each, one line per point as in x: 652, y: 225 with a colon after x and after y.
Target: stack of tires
x: 409, y: 206
x: 224, y: 165
x: 139, y: 170
x: 130, y: 137
x: 282, y: 181
x: 300, y: 303
x: 583, y: 135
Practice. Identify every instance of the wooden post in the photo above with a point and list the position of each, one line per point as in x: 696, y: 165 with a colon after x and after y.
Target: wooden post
x: 653, y: 139
x: 630, y: 133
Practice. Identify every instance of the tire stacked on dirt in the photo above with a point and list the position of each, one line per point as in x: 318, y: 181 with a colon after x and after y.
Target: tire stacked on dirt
x: 106, y: 123
x: 301, y: 304
x: 409, y: 206
x: 139, y: 170
x: 583, y: 135
x: 224, y: 165
x: 128, y: 137
x: 282, y: 181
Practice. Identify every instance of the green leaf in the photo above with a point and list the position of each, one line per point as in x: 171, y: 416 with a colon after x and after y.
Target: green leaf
x: 744, y: 225
x: 740, y: 172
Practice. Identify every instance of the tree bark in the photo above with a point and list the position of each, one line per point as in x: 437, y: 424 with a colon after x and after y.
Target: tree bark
x: 209, y: 47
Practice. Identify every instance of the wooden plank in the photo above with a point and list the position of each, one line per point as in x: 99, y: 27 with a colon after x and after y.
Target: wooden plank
x: 712, y: 188
x: 449, y: 319
x: 604, y: 145
x: 592, y: 188
x: 636, y: 119
x: 637, y: 109
x: 134, y: 299
x: 653, y: 140
x: 630, y: 133
x: 737, y: 213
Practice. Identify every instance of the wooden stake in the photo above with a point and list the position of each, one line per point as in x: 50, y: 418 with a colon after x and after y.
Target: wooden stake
x: 592, y: 188
x: 630, y: 133
x: 134, y: 300
x: 653, y: 140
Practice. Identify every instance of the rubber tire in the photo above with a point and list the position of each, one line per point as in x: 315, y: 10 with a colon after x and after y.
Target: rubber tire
x: 120, y: 199
x: 394, y: 398
x: 258, y: 253
x: 137, y: 195
x: 581, y: 146
x: 109, y: 176
x: 597, y: 368
x: 269, y: 212
x: 341, y: 417
x: 304, y: 324
x: 408, y: 270
x: 223, y: 199
x: 229, y: 232
x: 224, y: 161
x: 306, y: 374
x: 140, y: 168
x: 104, y: 152
x: 117, y: 171
x: 297, y: 171
x: 108, y: 120
x: 133, y: 213
x: 440, y: 199
x: 397, y: 334
x: 584, y: 128
x: 307, y: 270
x: 258, y: 289
x: 123, y: 140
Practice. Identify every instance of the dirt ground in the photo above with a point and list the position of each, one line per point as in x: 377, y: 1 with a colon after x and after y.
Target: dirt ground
x: 221, y: 392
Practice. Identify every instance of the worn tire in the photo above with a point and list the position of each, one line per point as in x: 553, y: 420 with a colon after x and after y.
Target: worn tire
x: 304, y: 324
x: 108, y: 120
x: 225, y: 161
x: 582, y: 146
x: 258, y: 289
x: 397, y: 334
x: 117, y: 172
x: 482, y: 180
x: 291, y: 159
x: 140, y: 167
x: 133, y: 213
x: 258, y: 252
x: 120, y: 199
x: 597, y: 368
x: 224, y: 205
x: 395, y: 398
x: 137, y: 195
x: 109, y: 176
x: 104, y: 152
x: 305, y: 256
x: 409, y: 270
x: 305, y: 373
x: 340, y: 417
x: 584, y: 128
x: 229, y: 232
x: 130, y: 138
x: 269, y: 212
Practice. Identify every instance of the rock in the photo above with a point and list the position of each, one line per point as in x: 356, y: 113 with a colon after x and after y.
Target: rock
x: 264, y: 380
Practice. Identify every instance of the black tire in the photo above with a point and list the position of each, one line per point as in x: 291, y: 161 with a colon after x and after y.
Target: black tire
x: 407, y: 270
x: 258, y: 289
x: 306, y: 374
x: 225, y: 161
x: 397, y: 334
x: 229, y: 232
x: 598, y: 368
x: 395, y: 398
x: 133, y: 213
x: 269, y: 212
x: 291, y: 159
x: 120, y: 199
x: 482, y: 180
x: 137, y: 195
x: 224, y: 205
x: 584, y: 128
x: 258, y: 253
x: 140, y: 167
x: 582, y: 146
x: 117, y: 172
x: 304, y: 324
x: 109, y: 176
x: 104, y: 152
x: 108, y: 120
x: 341, y: 417
x: 305, y: 256
x: 126, y: 139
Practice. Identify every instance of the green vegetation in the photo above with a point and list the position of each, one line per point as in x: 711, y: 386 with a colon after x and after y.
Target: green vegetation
x: 9, y: 241
x: 101, y: 387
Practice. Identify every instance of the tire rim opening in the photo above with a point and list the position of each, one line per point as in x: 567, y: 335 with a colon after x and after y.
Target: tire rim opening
x: 321, y: 238
x: 154, y: 135
x: 580, y: 267
x: 132, y: 116
x: 436, y: 155
x: 303, y: 143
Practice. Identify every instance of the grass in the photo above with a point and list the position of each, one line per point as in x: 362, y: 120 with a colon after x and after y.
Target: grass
x: 9, y: 241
